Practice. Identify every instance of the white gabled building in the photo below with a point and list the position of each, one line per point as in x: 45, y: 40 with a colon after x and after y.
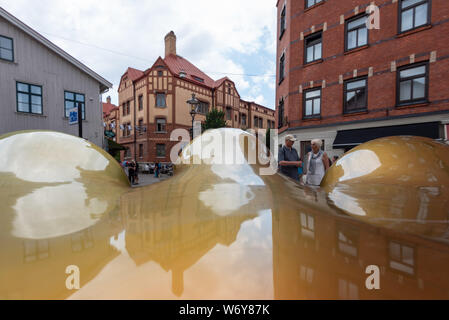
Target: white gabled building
x: 39, y: 82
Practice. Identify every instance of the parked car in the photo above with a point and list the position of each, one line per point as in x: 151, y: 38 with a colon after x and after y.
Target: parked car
x: 148, y: 168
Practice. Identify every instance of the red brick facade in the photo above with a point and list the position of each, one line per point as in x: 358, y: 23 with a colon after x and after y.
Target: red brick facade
x: 161, y: 93
x: 388, y: 49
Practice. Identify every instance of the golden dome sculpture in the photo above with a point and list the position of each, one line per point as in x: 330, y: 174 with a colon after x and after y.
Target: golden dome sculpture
x: 55, y: 184
x: 226, y: 225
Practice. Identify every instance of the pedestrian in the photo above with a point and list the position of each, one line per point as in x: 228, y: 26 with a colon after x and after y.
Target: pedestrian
x: 136, y: 172
x: 156, y: 170
x: 288, y: 158
x: 317, y: 162
x: 131, y: 171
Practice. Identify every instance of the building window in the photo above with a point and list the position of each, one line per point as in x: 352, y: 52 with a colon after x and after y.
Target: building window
x: 282, y: 22
x: 6, y: 49
x: 312, y: 103
x: 356, y: 97
x: 140, y: 127
x: 256, y: 122
x: 160, y: 125
x: 140, y: 150
x: 347, y: 290
x: 413, y: 14
x: 197, y: 78
x: 29, y: 98
x: 310, y: 3
x: 356, y: 33
x: 281, y: 68
x: 281, y: 114
x: 82, y: 240
x: 402, y: 257
x: 203, y: 107
x: 348, y: 240
x: 160, y: 100
x: 128, y: 153
x: 307, y: 225
x: 306, y: 274
x: 126, y: 108
x: 160, y: 73
x: 127, y: 129
x: 140, y: 102
x: 313, y: 48
x: 35, y: 250
x: 228, y: 114
x: 260, y: 122
x: 160, y: 150
x: 412, y: 84
x: 243, y: 118
x: 71, y: 100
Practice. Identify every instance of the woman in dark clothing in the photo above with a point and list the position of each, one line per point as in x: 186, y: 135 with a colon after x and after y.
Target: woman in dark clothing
x: 156, y: 170
x: 131, y: 172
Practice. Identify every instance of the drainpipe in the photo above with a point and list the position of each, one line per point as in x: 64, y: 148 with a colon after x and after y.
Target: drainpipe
x: 135, y: 130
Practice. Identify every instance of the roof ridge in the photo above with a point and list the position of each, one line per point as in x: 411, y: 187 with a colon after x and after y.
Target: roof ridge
x: 53, y: 47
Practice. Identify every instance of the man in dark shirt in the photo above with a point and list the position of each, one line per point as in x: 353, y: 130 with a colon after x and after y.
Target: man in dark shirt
x: 288, y: 158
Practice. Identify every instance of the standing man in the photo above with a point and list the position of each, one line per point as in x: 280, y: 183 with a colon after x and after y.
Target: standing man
x: 288, y: 158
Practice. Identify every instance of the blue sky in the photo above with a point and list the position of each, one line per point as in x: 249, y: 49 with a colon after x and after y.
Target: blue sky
x: 233, y: 38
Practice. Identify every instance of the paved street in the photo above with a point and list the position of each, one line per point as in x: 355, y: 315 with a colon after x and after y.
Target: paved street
x: 146, y: 179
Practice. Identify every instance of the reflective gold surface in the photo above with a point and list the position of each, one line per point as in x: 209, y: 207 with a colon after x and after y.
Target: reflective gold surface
x: 220, y: 230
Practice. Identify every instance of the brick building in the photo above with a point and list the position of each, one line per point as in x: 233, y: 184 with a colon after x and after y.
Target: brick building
x: 342, y: 81
x: 154, y: 102
x: 110, y: 117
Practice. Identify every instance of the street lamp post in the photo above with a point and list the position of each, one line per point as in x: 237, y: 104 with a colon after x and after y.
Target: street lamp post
x: 193, y: 108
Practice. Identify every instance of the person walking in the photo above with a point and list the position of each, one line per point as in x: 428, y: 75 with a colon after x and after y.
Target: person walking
x: 317, y: 163
x: 288, y: 158
x: 156, y: 170
x: 136, y: 172
x: 131, y: 171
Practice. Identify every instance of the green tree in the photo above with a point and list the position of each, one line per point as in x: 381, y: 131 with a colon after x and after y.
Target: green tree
x: 214, y: 119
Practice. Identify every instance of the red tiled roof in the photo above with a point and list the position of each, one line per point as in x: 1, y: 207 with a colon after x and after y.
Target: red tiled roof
x: 108, y: 108
x: 134, y: 74
x: 177, y: 64
x: 220, y: 81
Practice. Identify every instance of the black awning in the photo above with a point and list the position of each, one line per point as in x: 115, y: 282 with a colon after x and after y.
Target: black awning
x: 351, y: 138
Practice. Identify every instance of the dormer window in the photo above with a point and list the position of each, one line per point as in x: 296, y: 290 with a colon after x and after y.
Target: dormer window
x: 198, y: 79
x: 182, y: 74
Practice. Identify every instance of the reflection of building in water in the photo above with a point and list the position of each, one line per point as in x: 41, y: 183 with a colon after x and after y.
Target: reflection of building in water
x: 176, y: 229
x: 35, y: 269
x: 331, y: 263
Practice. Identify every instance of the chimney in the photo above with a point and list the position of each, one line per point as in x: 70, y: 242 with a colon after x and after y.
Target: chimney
x: 170, y: 44
x: 108, y: 99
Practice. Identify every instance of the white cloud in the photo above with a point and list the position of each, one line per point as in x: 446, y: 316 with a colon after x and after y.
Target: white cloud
x: 211, y: 34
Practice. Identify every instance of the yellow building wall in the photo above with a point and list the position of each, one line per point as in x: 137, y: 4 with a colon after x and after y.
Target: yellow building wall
x: 183, y: 94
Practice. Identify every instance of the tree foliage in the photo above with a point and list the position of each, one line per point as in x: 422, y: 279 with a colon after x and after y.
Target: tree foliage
x: 214, y: 119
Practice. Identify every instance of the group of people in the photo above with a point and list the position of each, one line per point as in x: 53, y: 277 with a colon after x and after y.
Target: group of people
x: 312, y: 169
x: 133, y: 171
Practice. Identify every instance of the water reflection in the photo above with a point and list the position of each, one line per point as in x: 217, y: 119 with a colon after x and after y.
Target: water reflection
x: 215, y: 231
x: 327, y: 260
